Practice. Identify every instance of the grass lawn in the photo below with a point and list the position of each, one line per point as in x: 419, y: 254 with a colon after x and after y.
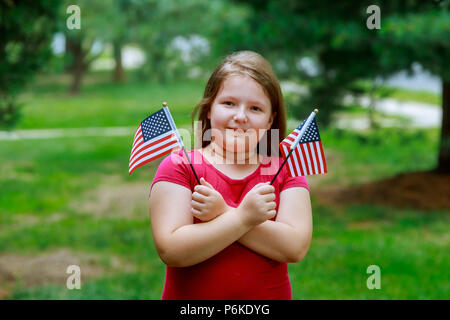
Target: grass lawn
x: 75, y: 194
x: 410, y: 95
x: 102, y: 103
x: 402, y: 94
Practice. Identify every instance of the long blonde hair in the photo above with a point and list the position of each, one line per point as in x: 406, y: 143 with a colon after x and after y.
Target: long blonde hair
x: 250, y: 64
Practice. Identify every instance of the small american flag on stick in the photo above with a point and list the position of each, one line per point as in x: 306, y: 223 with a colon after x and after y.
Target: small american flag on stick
x: 307, y: 156
x: 155, y: 137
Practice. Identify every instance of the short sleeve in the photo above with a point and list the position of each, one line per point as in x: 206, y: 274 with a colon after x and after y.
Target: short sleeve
x: 173, y: 169
x: 290, y: 182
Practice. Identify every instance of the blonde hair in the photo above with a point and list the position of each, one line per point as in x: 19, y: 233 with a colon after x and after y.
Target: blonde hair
x: 252, y: 64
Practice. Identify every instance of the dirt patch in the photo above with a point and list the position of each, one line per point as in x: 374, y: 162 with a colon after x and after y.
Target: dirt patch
x: 26, y: 220
x: 424, y: 190
x: 128, y: 200
x: 49, y: 268
x: 367, y: 224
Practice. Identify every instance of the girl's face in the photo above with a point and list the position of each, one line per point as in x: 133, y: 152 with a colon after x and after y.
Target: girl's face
x: 240, y: 114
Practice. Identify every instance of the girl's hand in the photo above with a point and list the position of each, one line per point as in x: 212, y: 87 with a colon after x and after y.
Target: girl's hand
x: 207, y: 203
x: 258, y: 204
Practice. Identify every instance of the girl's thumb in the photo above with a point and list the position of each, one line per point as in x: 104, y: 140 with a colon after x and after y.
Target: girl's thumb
x: 204, y: 182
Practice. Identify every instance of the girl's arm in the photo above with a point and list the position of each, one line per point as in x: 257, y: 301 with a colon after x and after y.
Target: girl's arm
x: 180, y: 243
x: 286, y: 239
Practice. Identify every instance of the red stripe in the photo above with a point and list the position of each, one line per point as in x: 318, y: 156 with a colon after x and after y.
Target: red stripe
x: 283, y: 152
x: 299, y: 161
x: 323, y: 157
x: 312, y: 160
x: 138, y: 137
x: 134, y: 160
x: 317, y: 157
x: 292, y: 172
x: 291, y: 167
x: 139, y: 131
x: 150, y: 152
x: 151, y: 159
x: 290, y: 138
x: 313, y: 147
x: 307, y: 167
x: 137, y: 145
x: 152, y: 144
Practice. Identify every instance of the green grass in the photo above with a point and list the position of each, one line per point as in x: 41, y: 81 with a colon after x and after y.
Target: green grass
x: 44, y: 185
x: 412, y: 267
x: 410, y: 95
x: 103, y: 104
x: 408, y: 246
x: 367, y: 156
x: 402, y: 94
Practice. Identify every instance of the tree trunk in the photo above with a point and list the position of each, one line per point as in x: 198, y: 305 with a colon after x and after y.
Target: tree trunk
x: 444, y: 147
x: 67, y: 51
x: 77, y: 75
x: 119, y: 74
x: 78, y: 66
x: 371, y: 108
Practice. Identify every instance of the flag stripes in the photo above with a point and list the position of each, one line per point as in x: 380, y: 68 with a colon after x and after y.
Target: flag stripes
x: 155, y: 154
x: 155, y: 137
x: 308, y: 157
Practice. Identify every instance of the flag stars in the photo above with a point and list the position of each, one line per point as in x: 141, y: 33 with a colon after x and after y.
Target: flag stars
x: 155, y: 125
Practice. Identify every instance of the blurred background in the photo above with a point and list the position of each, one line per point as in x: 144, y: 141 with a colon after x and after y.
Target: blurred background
x: 72, y: 98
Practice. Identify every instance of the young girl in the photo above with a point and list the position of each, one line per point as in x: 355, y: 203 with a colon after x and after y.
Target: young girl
x: 232, y: 236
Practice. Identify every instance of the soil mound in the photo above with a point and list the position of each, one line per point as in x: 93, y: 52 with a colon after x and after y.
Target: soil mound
x: 424, y: 190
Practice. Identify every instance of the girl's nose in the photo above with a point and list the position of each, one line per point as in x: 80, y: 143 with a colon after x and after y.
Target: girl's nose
x: 240, y: 116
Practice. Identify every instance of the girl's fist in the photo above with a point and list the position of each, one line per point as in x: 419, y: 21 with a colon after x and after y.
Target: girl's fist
x: 207, y: 203
x: 258, y: 204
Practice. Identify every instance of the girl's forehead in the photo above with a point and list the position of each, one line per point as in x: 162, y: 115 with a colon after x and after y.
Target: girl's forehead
x: 238, y: 80
x: 240, y: 85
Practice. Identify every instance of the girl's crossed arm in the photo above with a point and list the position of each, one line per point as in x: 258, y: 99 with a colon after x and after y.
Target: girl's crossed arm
x: 180, y: 243
x: 286, y: 239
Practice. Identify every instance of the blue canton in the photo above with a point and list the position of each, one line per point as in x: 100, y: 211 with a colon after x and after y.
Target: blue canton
x: 155, y: 125
x: 311, y: 134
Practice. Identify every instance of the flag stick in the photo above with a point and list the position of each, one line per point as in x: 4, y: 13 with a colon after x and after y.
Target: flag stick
x: 296, y: 141
x: 279, y: 169
x: 180, y: 141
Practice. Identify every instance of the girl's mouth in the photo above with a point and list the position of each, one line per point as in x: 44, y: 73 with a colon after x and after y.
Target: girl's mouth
x: 237, y: 131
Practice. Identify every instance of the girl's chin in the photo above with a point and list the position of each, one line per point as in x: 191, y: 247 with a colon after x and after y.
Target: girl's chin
x: 239, y: 146
x: 238, y: 143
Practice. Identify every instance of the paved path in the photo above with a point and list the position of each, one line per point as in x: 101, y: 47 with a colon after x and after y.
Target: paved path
x: 65, y: 133
x: 420, y: 115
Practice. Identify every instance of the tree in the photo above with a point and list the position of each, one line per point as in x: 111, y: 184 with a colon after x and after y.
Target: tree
x: 160, y: 22
x: 152, y: 24
x: 26, y: 29
x: 97, y: 18
x: 335, y: 35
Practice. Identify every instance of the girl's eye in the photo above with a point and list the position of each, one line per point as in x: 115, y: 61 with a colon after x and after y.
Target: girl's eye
x: 228, y: 103
x: 256, y: 108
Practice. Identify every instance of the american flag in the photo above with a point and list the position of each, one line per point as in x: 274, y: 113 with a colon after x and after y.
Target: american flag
x: 307, y: 158
x: 155, y: 137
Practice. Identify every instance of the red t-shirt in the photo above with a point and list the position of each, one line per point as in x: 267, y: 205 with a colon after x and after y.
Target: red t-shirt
x: 236, y: 272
